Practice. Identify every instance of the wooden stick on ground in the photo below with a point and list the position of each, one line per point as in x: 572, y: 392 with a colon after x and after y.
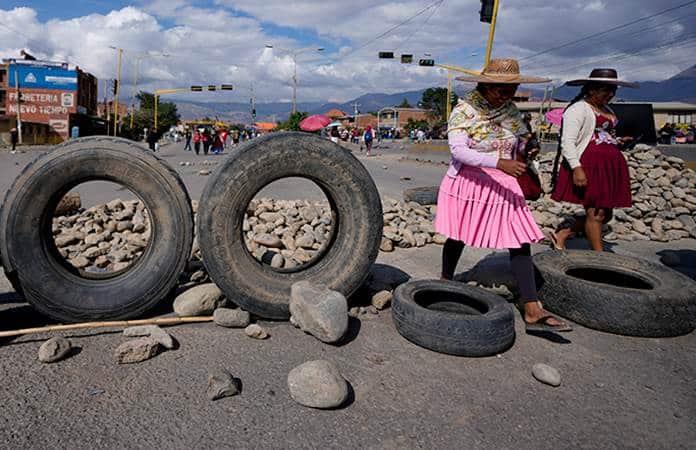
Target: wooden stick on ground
x: 112, y: 324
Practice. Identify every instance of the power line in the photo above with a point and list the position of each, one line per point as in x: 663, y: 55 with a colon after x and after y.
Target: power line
x: 563, y: 64
x: 432, y: 13
x: 691, y: 37
x: 602, y: 33
x: 422, y: 11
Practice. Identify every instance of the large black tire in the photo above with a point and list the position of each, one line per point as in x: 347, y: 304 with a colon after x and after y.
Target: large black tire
x: 617, y: 294
x: 424, y: 195
x: 452, y: 317
x: 52, y: 285
x: 351, y: 192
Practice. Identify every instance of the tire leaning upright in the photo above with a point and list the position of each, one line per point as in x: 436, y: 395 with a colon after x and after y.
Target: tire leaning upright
x: 351, y: 192
x: 53, y: 286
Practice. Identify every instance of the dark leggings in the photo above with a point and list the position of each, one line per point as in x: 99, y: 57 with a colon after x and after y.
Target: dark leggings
x: 520, y: 261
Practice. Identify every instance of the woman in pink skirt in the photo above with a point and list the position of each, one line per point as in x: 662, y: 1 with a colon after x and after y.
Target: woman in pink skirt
x: 593, y: 173
x: 480, y: 202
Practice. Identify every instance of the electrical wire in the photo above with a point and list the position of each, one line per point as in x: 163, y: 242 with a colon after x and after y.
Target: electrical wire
x: 408, y: 20
x: 617, y: 54
x: 602, y: 33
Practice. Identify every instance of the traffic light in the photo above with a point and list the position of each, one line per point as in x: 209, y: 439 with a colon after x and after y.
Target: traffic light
x: 226, y: 87
x: 115, y: 87
x: 486, y: 12
x: 386, y: 55
x: 196, y: 88
x: 212, y: 87
x: 426, y: 62
x: 406, y: 59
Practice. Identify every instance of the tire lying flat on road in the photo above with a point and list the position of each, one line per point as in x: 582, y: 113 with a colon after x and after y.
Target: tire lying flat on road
x: 452, y: 317
x: 50, y: 283
x: 351, y: 192
x: 617, y: 294
x: 424, y: 195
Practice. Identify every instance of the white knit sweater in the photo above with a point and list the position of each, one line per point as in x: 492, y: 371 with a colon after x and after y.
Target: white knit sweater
x: 579, y: 123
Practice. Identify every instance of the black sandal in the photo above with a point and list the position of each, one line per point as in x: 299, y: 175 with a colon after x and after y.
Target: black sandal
x: 543, y: 325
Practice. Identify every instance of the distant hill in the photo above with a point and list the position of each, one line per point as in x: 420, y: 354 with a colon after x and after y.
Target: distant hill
x: 241, y: 113
x: 679, y: 88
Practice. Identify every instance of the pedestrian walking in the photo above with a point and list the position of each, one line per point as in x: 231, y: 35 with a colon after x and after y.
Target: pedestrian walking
x: 187, y: 136
x: 593, y: 172
x: 197, y: 138
x: 206, y: 141
x: 480, y: 202
x: 368, y: 137
x: 217, y: 144
x: 14, y: 139
x: 152, y: 140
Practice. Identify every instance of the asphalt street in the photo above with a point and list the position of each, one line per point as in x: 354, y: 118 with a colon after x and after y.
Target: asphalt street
x: 616, y: 392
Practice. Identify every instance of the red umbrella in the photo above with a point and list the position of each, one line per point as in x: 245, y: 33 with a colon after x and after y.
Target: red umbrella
x: 314, y: 123
x: 555, y: 116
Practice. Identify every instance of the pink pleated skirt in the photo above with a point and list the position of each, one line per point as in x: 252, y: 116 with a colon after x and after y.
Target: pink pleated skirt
x: 485, y: 207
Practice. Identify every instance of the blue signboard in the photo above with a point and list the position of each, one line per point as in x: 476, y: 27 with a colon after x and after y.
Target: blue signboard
x: 42, y: 77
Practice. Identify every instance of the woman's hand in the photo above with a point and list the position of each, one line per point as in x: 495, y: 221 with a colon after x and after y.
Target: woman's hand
x: 511, y: 167
x: 579, y: 178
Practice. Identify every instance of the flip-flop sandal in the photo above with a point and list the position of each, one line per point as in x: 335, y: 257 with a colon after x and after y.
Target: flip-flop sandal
x: 554, y: 241
x: 543, y: 325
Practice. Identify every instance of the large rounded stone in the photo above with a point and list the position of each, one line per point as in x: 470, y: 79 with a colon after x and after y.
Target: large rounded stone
x: 199, y: 300
x: 546, y: 374
x: 231, y: 318
x: 54, y: 350
x: 317, y: 384
x: 319, y: 311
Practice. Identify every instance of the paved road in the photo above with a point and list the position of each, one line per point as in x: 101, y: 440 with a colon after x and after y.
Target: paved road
x: 617, y: 392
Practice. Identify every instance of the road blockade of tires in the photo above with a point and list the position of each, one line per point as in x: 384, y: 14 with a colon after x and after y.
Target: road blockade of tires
x: 617, y: 294
x: 344, y: 262
x: 58, y: 289
x: 452, y: 317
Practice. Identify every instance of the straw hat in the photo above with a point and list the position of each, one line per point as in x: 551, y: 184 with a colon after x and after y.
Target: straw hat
x: 604, y: 76
x: 505, y: 71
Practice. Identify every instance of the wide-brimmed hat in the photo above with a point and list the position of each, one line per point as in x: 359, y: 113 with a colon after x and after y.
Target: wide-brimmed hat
x: 602, y: 76
x: 504, y: 71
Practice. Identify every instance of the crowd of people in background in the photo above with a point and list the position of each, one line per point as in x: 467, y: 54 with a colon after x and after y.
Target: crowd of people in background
x: 673, y: 133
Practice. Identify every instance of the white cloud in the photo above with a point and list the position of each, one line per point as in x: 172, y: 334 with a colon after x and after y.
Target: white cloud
x: 225, y: 43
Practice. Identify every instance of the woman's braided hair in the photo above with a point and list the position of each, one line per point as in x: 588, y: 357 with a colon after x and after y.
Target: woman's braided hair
x: 556, y: 163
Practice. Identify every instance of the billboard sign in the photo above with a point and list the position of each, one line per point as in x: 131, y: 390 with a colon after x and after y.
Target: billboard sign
x: 44, y: 106
x: 42, y: 77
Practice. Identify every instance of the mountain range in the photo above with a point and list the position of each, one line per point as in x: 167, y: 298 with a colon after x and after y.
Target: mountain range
x: 679, y: 88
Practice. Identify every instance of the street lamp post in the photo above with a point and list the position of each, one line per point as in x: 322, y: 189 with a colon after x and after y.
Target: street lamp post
x: 118, y: 88
x: 135, y: 80
x: 294, y: 54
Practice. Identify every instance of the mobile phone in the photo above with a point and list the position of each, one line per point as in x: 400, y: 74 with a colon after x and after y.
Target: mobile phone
x: 633, y: 143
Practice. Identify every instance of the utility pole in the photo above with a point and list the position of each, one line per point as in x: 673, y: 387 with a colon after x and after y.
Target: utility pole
x: 19, y: 116
x: 449, y: 95
x: 294, y: 83
x: 355, y: 109
x: 135, y: 84
x: 253, y: 104
x: 116, y: 91
x: 491, y: 33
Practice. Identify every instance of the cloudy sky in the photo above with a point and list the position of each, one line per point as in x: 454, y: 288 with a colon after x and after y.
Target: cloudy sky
x: 223, y: 41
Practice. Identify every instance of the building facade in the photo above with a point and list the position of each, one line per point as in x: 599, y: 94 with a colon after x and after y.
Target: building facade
x: 40, y: 93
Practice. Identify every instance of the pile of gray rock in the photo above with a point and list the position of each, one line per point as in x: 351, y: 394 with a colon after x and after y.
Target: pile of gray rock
x: 103, y: 238
x: 287, y: 233
x: 664, y: 199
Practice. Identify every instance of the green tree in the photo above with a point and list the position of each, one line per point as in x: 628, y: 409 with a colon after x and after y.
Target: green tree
x: 435, y: 99
x: 416, y: 124
x: 167, y: 116
x: 293, y: 122
x: 405, y: 104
